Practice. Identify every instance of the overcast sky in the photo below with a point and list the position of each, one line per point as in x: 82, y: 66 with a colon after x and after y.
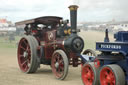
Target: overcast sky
x: 89, y: 10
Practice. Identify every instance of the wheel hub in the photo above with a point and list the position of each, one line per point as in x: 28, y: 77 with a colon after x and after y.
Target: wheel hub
x: 25, y: 54
x: 57, y: 65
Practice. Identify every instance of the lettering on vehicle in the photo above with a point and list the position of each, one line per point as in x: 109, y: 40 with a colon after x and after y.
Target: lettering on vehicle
x: 110, y: 46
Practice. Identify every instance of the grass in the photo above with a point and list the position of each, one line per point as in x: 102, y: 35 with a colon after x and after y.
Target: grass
x: 7, y: 47
x: 5, y: 43
x: 90, y: 38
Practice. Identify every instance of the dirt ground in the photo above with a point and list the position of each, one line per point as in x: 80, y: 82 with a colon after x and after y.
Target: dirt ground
x: 10, y: 73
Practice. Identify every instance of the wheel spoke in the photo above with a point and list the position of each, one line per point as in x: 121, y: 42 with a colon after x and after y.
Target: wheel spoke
x: 105, y: 82
x: 87, y: 75
x: 22, y: 47
x: 92, y: 76
x: 60, y: 61
x: 28, y: 49
x: 111, y: 83
x: 24, y: 62
x: 54, y: 60
x: 24, y: 41
x: 29, y: 59
x: 106, y: 73
x: 88, y: 69
x: 59, y: 70
x: 21, y: 56
x: 56, y: 55
x: 111, y: 76
x: 62, y: 68
x: 58, y: 58
x: 26, y: 67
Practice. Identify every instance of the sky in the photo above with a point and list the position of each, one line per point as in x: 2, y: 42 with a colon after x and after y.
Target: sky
x: 89, y: 10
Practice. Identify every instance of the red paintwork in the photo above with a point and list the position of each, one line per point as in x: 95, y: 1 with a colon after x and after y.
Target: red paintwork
x: 87, y: 75
x: 34, y: 31
x: 49, y: 44
x: 107, y: 77
x: 97, y: 63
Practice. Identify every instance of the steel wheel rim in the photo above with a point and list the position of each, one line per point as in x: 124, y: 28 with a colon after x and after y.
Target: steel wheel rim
x: 107, y: 77
x: 87, y: 75
x: 58, y: 65
x: 24, y: 55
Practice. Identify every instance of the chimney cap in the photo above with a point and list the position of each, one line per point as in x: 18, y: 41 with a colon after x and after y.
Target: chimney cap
x: 73, y: 7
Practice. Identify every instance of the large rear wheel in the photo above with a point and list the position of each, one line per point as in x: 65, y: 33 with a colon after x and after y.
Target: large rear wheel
x: 112, y: 75
x: 59, y: 64
x: 27, y: 54
x: 89, y: 74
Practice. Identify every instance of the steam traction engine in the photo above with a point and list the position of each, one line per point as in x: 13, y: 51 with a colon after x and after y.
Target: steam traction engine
x: 110, y: 67
x: 50, y: 41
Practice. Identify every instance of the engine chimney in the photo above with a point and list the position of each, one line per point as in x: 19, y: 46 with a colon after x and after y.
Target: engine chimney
x: 106, y: 39
x: 73, y: 18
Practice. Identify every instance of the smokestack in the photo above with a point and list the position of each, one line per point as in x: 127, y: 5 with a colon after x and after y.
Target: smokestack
x: 73, y: 17
x: 106, y: 39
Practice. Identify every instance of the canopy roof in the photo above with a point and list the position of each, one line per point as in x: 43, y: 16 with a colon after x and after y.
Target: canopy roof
x: 46, y: 20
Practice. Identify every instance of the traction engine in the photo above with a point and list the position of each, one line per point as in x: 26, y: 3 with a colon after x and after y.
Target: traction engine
x: 49, y: 40
x: 110, y: 66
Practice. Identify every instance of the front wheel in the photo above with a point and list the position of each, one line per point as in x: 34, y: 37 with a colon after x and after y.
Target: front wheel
x: 90, y: 74
x: 60, y: 64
